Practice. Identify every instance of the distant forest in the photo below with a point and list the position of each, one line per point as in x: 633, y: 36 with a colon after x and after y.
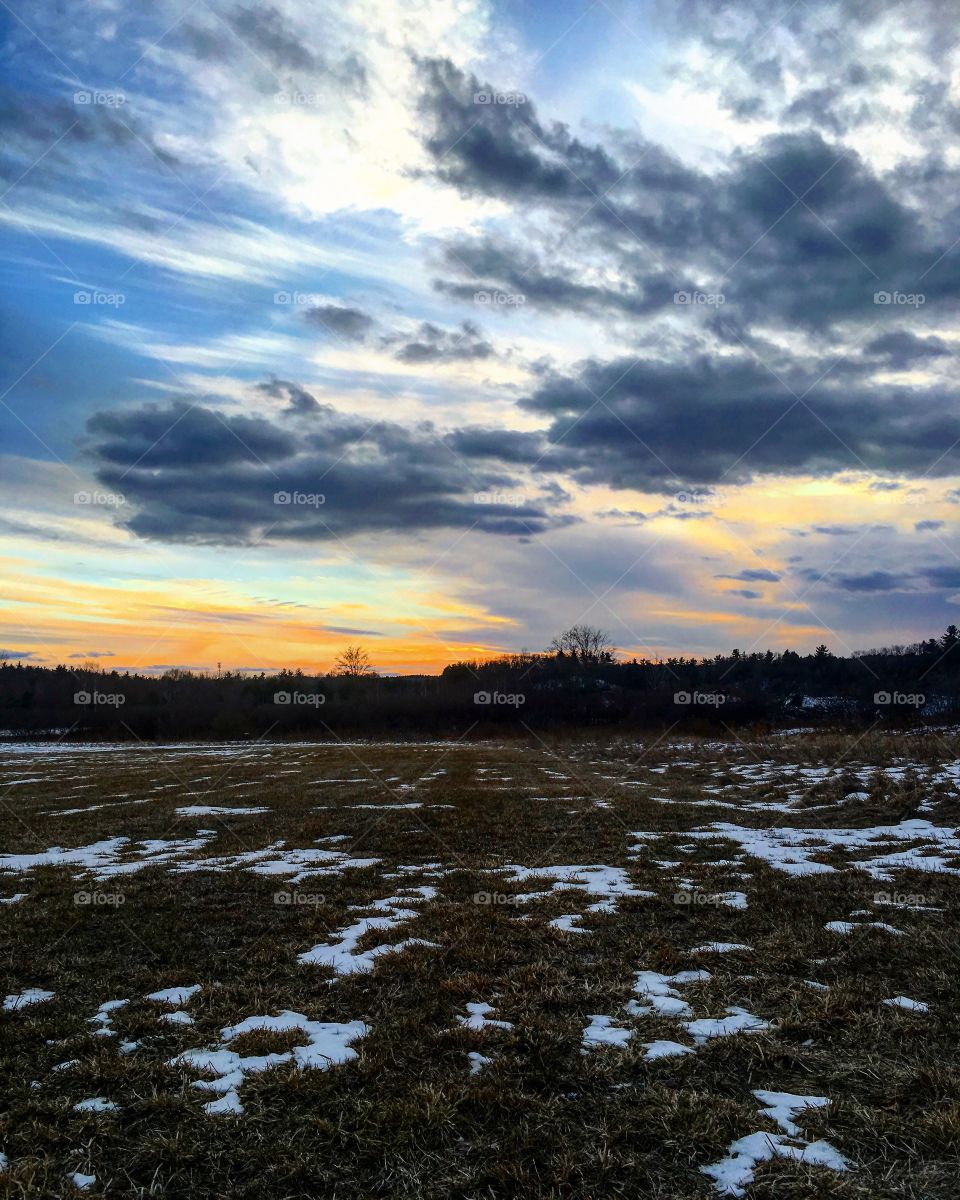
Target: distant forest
x: 578, y: 682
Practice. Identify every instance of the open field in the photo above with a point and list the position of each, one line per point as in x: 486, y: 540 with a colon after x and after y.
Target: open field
x: 666, y: 969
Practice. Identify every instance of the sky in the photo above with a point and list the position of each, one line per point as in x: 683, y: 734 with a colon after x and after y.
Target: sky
x: 440, y: 325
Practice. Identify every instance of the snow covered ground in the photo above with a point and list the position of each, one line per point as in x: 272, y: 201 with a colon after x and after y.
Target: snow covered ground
x: 363, y: 936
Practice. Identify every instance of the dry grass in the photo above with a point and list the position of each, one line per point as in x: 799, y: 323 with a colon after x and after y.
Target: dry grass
x: 406, y: 1118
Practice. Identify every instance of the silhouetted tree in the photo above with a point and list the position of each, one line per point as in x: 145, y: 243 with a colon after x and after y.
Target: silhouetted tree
x: 584, y: 642
x: 353, y: 662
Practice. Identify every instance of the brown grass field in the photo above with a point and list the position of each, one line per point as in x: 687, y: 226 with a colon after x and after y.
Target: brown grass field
x: 469, y: 860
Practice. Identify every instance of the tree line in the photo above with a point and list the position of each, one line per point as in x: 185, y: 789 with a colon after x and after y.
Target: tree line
x: 579, y: 681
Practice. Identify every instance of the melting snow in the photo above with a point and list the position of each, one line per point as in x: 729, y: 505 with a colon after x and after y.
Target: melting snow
x: 852, y: 926
x: 793, y: 850
x: 103, y: 1017
x: 217, y: 810
x: 600, y: 1032
x: 738, y: 1021
x: 174, y: 996
x: 607, y: 882
x: 732, y: 1174
x: 906, y: 1002
x: 660, y: 993
x: 25, y: 999
x: 328, y: 1043
x: 343, y: 955
x: 783, y: 1106
x: 566, y: 923
x: 477, y: 1018
x: 95, y: 1104
x: 663, y: 1048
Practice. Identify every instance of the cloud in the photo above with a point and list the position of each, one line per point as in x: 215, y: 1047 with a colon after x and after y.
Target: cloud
x: 849, y: 530
x: 900, y: 348
x: 299, y: 401
x: 754, y: 575
x: 432, y: 344
x: 942, y: 577
x: 799, y: 230
x: 648, y: 424
x: 181, y: 436
x: 872, y: 581
x: 190, y: 473
x: 341, y: 320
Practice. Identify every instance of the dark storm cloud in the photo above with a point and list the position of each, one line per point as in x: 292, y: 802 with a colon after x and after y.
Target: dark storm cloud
x: 754, y: 575
x: 872, y: 581
x: 849, y: 530
x: 942, y: 577
x: 300, y: 402
x: 504, y: 149
x: 341, y: 320
x: 648, y: 424
x: 504, y: 445
x: 795, y: 230
x: 428, y: 343
x: 432, y: 344
x: 900, y: 347
x: 191, y: 474
x: 262, y: 36
x: 499, y: 266
x: 182, y: 436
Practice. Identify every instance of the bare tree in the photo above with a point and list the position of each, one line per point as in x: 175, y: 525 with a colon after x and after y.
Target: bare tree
x: 354, y: 661
x: 585, y: 642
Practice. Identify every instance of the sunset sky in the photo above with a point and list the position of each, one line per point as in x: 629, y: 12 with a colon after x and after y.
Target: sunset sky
x: 438, y: 326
